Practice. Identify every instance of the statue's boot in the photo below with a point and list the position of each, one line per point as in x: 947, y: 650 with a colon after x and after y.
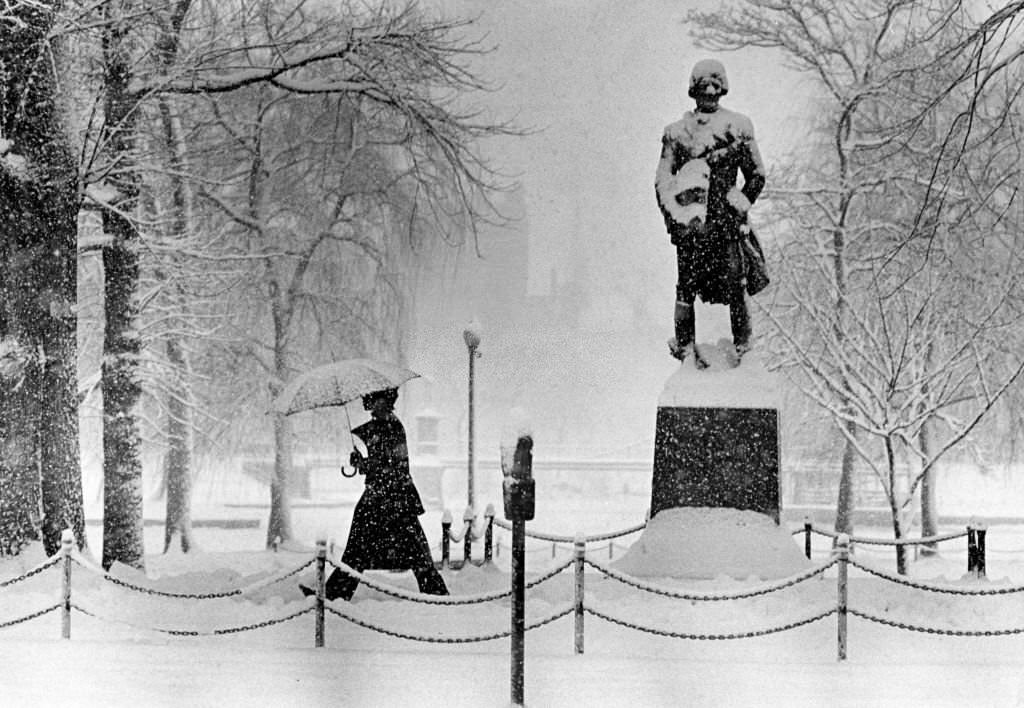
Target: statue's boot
x: 682, y: 345
x: 739, y: 320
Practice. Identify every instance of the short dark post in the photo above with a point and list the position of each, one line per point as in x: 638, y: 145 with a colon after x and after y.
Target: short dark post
x: 446, y: 539
x: 807, y: 536
x: 67, y: 542
x: 321, y: 561
x: 518, y: 493
x: 468, y: 517
x: 843, y: 549
x: 972, y: 550
x: 489, y: 533
x: 979, y: 565
x: 579, y: 553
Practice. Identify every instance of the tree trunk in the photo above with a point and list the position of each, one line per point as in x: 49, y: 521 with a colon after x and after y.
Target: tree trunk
x: 177, y: 465
x: 122, y: 470
x: 894, y: 508
x: 38, y: 228
x: 279, y: 526
x: 929, y: 508
x: 845, y: 501
x: 929, y: 511
x: 19, y: 469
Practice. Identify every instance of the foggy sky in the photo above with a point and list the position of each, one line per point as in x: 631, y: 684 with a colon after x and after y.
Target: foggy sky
x: 599, y: 80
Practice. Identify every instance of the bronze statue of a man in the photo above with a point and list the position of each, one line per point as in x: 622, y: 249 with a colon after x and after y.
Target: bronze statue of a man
x: 705, y: 211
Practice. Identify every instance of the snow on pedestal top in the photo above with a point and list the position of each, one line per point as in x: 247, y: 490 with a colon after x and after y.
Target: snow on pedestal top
x: 750, y: 385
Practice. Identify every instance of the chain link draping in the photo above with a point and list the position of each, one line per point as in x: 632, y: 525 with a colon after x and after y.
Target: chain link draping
x: 572, y: 539
x: 936, y: 630
x: 404, y: 594
x: 196, y: 632
x: 885, y: 541
x: 26, y: 618
x: 48, y: 563
x: 685, y: 635
x: 947, y: 589
x: 237, y: 592
x: 450, y: 640
x: 710, y: 597
x: 563, y: 548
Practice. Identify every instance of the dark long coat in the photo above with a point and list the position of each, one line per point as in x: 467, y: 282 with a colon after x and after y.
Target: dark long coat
x: 705, y: 213
x: 385, y: 531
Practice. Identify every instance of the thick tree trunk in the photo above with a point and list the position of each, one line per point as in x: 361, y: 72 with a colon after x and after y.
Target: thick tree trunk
x: 19, y: 469
x: 177, y: 465
x: 279, y: 526
x: 38, y: 227
x: 122, y: 470
x: 845, y: 499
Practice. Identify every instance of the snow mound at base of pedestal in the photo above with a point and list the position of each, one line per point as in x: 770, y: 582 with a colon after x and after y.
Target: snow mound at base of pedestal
x: 704, y: 542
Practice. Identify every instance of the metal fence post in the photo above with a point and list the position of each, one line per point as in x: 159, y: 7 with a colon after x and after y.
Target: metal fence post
x: 446, y: 539
x: 843, y: 550
x: 489, y: 533
x: 979, y: 565
x: 321, y: 561
x: 972, y: 550
x: 67, y: 542
x: 807, y: 536
x: 579, y: 553
x: 468, y: 516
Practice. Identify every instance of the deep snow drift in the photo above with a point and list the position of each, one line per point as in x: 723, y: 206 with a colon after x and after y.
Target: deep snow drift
x: 706, y: 543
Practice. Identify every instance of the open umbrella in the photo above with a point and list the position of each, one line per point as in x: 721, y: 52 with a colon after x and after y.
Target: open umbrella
x: 338, y: 383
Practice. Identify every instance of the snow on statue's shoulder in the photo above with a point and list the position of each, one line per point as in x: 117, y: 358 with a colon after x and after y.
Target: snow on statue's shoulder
x: 726, y: 122
x: 700, y: 132
x: 721, y: 385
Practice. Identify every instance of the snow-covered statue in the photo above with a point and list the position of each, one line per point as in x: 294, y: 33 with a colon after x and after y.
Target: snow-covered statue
x: 705, y: 211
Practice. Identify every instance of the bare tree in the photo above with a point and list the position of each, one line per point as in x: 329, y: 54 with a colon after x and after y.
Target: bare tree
x: 39, y: 471
x: 882, y: 215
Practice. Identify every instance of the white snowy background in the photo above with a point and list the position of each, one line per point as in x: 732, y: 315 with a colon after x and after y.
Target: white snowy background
x: 601, y: 79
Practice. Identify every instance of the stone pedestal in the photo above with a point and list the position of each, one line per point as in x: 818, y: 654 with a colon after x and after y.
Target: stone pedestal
x: 715, y: 497
x: 717, y: 438
x: 716, y: 457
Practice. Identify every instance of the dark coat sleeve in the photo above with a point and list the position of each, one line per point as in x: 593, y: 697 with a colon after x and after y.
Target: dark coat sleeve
x: 752, y: 168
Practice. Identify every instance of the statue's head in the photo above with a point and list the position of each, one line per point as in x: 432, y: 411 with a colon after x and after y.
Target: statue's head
x: 708, y: 80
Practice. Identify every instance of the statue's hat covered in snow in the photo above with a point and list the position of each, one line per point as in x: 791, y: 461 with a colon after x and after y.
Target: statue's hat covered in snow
x: 708, y: 77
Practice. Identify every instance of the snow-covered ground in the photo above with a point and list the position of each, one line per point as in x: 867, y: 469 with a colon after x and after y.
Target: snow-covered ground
x: 116, y: 658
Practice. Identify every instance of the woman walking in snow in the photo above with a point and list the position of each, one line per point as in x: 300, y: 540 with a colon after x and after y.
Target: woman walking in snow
x: 385, y: 531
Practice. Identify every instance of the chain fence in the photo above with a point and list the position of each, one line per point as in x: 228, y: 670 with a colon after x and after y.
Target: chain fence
x: 841, y: 560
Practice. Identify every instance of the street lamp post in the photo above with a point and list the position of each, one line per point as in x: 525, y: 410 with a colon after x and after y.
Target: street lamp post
x: 471, y: 336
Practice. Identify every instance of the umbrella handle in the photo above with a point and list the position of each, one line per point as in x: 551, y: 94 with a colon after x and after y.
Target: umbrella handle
x: 351, y: 438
